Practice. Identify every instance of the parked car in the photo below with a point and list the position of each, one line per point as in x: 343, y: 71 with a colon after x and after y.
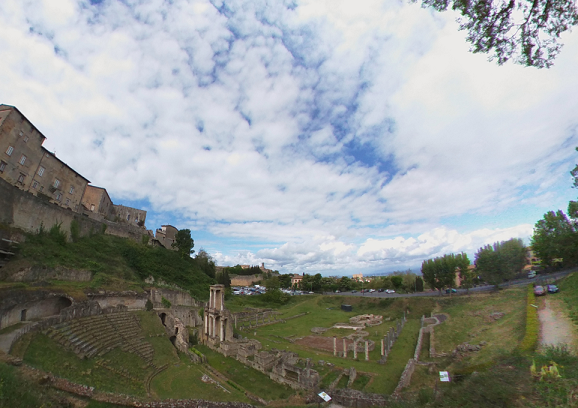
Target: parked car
x: 531, y: 274
x: 452, y: 290
x: 539, y: 291
x: 354, y: 291
x: 371, y: 290
x: 389, y: 291
x: 552, y: 288
x: 337, y: 291
x: 380, y: 290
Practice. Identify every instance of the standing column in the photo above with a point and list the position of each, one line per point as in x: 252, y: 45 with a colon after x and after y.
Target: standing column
x: 344, y: 348
x: 355, y: 349
x: 366, y: 351
x: 382, y: 347
x: 334, y: 345
x: 206, y: 324
x: 221, y: 330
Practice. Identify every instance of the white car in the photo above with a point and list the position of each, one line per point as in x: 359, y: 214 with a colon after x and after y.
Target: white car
x: 389, y: 291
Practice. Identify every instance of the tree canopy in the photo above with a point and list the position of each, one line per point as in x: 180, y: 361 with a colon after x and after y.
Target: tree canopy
x: 440, y: 272
x: 206, y: 263
x: 527, y: 31
x: 556, y: 238
x: 501, y: 261
x: 184, y: 243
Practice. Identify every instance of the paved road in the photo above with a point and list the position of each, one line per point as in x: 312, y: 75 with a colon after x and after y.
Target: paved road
x: 485, y: 288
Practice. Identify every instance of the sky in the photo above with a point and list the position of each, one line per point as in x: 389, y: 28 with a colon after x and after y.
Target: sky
x: 331, y: 137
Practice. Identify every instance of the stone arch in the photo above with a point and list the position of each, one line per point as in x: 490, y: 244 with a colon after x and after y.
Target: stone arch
x: 173, y: 340
x: 163, y: 317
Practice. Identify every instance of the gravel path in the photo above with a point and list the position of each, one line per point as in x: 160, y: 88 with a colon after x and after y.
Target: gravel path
x: 555, y: 327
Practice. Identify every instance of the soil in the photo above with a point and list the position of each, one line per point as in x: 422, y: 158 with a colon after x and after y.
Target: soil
x: 555, y: 327
x: 323, y: 343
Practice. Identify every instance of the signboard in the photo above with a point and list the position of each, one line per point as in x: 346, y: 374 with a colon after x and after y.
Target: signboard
x: 444, y: 376
x: 324, y: 396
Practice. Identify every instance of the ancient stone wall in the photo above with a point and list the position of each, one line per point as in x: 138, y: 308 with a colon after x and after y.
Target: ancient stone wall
x: 130, y: 299
x: 36, y: 273
x: 22, y: 210
x: 176, y: 330
x: 176, y: 297
x: 245, y: 280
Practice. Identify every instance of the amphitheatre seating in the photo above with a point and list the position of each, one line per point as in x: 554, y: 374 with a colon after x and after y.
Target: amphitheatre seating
x: 97, y: 335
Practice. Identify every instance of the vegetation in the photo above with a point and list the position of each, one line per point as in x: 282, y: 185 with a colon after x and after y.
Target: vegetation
x: 530, y: 340
x: 501, y: 261
x: 526, y: 31
x: 440, y: 272
x: 116, y: 263
x: 184, y: 243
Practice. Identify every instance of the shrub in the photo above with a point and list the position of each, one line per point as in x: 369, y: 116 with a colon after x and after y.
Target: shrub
x: 530, y: 339
x: 149, y: 305
x: 74, y: 230
x: 57, y: 234
x: 145, y: 239
x: 166, y: 303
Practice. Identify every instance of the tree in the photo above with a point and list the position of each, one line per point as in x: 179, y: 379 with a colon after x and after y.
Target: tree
x: 418, y: 284
x: 397, y: 281
x: 526, y: 30
x: 440, y: 272
x: 184, y: 243
x: 556, y: 236
x: 206, y: 263
x: 345, y: 283
x: 224, y: 279
x: 501, y: 261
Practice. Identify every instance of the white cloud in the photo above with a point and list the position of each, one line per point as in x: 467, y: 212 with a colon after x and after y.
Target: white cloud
x: 335, y: 133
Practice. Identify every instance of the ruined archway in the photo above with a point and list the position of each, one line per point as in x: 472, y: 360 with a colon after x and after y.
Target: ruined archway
x: 163, y: 317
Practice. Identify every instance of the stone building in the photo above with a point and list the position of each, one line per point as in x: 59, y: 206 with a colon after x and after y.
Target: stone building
x: 97, y: 201
x: 130, y: 215
x: 165, y: 236
x: 26, y: 164
x: 218, y: 325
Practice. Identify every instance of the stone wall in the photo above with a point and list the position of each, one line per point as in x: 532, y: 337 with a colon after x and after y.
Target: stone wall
x: 176, y: 330
x: 176, y: 297
x: 17, y: 306
x: 36, y: 273
x: 130, y: 299
x: 245, y: 280
x: 24, y: 211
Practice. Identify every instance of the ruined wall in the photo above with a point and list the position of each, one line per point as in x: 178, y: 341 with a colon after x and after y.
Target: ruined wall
x: 245, y: 280
x: 176, y: 297
x: 129, y: 299
x: 178, y: 333
x: 189, y: 316
x: 36, y: 273
x: 27, y: 212
x: 16, y: 306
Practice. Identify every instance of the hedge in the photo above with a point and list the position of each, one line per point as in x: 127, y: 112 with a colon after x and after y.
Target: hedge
x: 530, y: 340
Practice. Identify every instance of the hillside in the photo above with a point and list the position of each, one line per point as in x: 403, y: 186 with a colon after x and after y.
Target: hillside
x: 114, y: 263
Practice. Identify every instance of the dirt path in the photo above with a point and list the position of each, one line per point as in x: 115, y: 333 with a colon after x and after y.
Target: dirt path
x: 555, y: 327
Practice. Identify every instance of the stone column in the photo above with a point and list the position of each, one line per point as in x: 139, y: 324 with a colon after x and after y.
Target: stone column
x: 334, y: 345
x: 206, y: 322
x: 235, y: 321
x: 366, y: 351
x: 355, y: 349
x: 382, y: 347
x: 344, y: 348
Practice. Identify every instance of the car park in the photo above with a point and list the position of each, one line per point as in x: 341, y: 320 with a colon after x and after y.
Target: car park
x: 380, y: 290
x: 539, y: 290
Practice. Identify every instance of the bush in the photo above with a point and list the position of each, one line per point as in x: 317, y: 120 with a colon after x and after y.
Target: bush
x: 166, y: 303
x: 530, y: 340
x: 149, y: 305
x: 74, y: 230
x: 145, y: 239
x: 57, y: 234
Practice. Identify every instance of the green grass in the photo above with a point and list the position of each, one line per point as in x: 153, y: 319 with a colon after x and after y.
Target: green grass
x: 360, y: 382
x: 248, y: 378
x: 183, y: 380
x: 569, y: 292
x: 47, y: 355
x: 329, y: 378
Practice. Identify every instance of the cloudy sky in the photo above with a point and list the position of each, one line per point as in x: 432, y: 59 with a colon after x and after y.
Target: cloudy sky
x: 314, y: 136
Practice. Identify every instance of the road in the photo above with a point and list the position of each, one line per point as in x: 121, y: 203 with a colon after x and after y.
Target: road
x: 485, y: 288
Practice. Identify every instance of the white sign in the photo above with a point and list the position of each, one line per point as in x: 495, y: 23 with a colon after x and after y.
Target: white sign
x: 444, y: 376
x: 325, y: 397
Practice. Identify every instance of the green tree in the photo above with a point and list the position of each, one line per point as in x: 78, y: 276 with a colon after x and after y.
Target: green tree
x: 440, y: 272
x: 397, y: 281
x: 345, y: 283
x: 224, y: 279
x: 501, y: 261
x: 526, y: 31
x: 418, y: 284
x: 184, y: 243
x: 555, y: 236
x: 206, y: 263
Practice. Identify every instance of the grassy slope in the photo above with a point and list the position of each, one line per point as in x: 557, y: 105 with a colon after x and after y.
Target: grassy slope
x: 116, y: 263
x: 569, y: 292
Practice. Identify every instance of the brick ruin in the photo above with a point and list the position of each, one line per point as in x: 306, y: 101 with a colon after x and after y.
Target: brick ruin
x: 281, y: 366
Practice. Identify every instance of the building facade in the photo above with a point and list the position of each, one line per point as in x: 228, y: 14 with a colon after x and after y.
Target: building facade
x: 26, y: 164
x: 96, y: 200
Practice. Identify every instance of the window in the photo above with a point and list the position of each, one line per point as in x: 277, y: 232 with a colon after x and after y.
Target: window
x: 26, y: 139
x: 20, y: 134
x: 58, y: 196
x: 41, y: 171
x: 56, y: 183
x: 68, y: 201
x: 35, y: 185
x: 128, y: 217
x: 3, y: 165
x: 71, y: 191
x: 92, y: 207
x: 41, y: 189
x: 21, y: 178
x: 9, y: 150
x: 22, y: 160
